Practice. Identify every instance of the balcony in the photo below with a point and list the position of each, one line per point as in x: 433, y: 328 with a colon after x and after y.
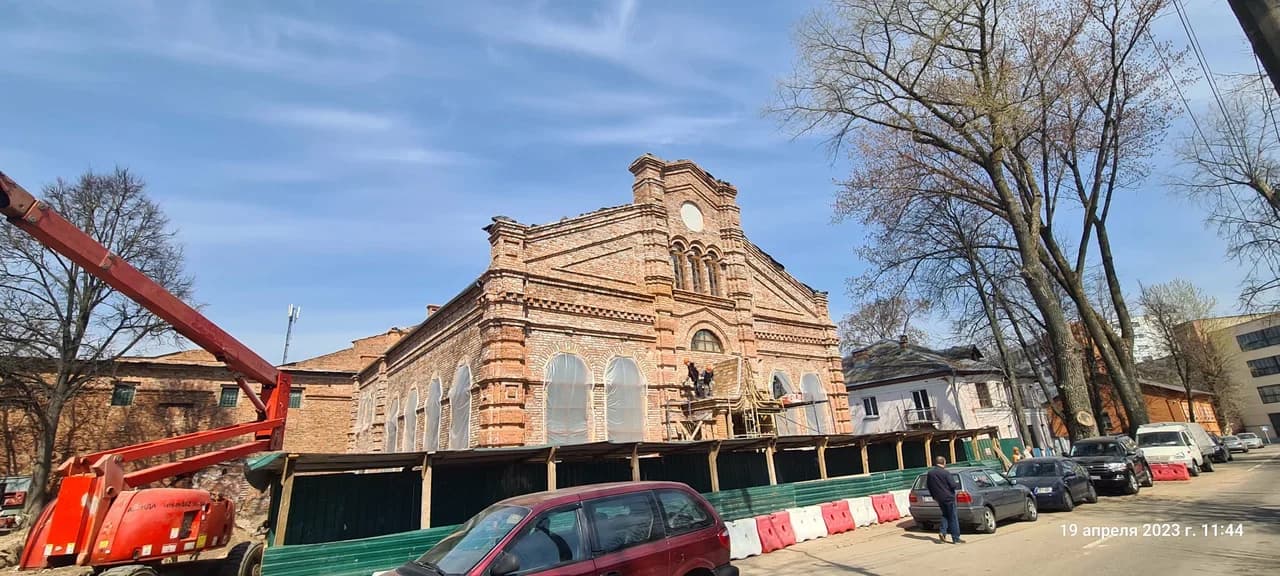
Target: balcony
x: 922, y: 417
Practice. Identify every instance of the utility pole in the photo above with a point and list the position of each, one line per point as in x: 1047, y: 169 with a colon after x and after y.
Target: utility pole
x: 294, y: 313
x: 1260, y: 20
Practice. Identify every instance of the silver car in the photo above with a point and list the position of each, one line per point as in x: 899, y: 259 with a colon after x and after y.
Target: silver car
x: 1235, y: 444
x: 986, y: 497
x: 1251, y: 440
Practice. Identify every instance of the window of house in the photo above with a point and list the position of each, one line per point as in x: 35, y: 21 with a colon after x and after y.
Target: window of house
x: 1259, y: 339
x: 984, y: 394
x: 460, y: 409
x: 695, y: 272
x: 624, y: 401
x: 229, y: 397
x: 713, y: 278
x: 122, y: 393
x: 566, y: 400
x: 431, y: 425
x: 921, y: 399
x: 295, y: 398
x: 706, y: 341
x: 870, y: 407
x: 1269, y: 394
x: 818, y: 412
x: 411, y: 420
x: 677, y: 271
x: 1264, y: 366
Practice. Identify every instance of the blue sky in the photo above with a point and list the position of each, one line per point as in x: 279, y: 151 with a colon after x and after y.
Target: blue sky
x: 344, y: 156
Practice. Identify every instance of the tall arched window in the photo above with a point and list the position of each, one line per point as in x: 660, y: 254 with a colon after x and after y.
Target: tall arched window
x: 677, y: 270
x: 818, y: 414
x: 393, y: 407
x: 431, y: 423
x: 695, y: 271
x: 460, y: 409
x: 713, y: 276
x: 411, y: 421
x: 786, y: 421
x: 624, y: 400
x: 566, y: 400
x: 705, y: 341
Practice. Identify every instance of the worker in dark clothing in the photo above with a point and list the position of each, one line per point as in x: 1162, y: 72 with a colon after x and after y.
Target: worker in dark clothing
x: 693, y: 376
x: 942, y: 487
x: 705, y: 389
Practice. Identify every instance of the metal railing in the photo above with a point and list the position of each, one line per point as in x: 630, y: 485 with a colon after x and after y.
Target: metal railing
x: 922, y: 416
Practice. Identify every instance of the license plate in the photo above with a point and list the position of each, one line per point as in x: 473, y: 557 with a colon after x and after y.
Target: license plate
x: 926, y: 498
x: 1095, y: 477
x: 1044, y: 490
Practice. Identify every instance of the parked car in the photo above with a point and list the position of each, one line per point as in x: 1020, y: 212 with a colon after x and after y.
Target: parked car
x: 1113, y: 462
x: 641, y: 528
x: 1220, y: 451
x: 1235, y: 444
x: 14, y: 490
x: 1198, y: 435
x: 1057, y: 482
x: 1251, y: 440
x: 986, y: 497
x: 1171, y: 443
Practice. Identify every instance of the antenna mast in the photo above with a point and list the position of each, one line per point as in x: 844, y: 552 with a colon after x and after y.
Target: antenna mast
x: 294, y: 313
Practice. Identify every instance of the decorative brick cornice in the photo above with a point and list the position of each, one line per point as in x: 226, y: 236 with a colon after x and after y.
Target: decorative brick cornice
x: 791, y: 338
x: 586, y: 310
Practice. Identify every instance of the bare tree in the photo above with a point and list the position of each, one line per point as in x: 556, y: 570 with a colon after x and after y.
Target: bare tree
x: 883, y: 319
x: 1234, y: 156
x: 1169, y: 307
x: 62, y: 326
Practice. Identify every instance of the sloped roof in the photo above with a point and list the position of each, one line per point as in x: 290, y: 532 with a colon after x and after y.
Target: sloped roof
x: 888, y: 361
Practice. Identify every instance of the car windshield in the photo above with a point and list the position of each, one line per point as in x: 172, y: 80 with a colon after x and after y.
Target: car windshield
x: 922, y: 481
x: 459, y: 552
x: 1026, y: 469
x: 1248, y: 435
x: 1229, y: 439
x: 1097, y: 449
x: 1160, y: 439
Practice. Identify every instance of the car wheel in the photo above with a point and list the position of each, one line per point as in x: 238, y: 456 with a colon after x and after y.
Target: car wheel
x: 1068, y: 503
x: 1195, y: 468
x: 988, y: 525
x: 1092, y: 496
x: 1207, y: 466
x: 1131, y: 486
x: 1147, y: 479
x: 1030, y: 512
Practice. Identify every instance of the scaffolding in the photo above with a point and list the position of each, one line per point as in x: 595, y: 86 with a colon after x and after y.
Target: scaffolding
x: 737, y: 400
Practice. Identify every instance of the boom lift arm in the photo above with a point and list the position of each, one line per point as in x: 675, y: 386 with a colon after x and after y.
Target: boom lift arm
x: 90, y: 522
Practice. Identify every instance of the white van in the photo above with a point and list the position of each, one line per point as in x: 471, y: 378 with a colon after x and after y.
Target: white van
x: 1172, y: 442
x: 1198, y: 435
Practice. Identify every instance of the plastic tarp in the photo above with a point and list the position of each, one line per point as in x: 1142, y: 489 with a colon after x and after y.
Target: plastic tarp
x: 460, y: 410
x: 393, y: 414
x: 902, y: 498
x: 864, y: 514
x: 566, y: 400
x: 808, y: 523
x: 744, y: 541
x: 817, y: 414
x: 411, y: 421
x: 431, y: 427
x: 624, y: 400
x: 786, y: 422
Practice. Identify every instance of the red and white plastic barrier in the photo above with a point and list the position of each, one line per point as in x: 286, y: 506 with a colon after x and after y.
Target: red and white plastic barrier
x: 902, y: 499
x: 782, y: 525
x: 769, y: 539
x: 744, y: 541
x: 864, y: 514
x: 886, y: 508
x: 836, y: 517
x: 1169, y: 471
x: 808, y: 523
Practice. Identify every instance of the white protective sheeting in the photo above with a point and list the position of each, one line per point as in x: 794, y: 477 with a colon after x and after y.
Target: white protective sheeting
x: 411, y: 421
x: 744, y: 540
x: 393, y: 414
x: 431, y: 419
x: 808, y: 523
x: 787, y: 423
x: 624, y: 400
x: 902, y: 499
x: 460, y: 409
x: 567, y: 383
x: 864, y: 514
x: 818, y: 414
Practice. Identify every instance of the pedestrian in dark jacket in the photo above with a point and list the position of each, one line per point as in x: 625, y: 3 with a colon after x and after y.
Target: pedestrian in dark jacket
x: 942, y: 487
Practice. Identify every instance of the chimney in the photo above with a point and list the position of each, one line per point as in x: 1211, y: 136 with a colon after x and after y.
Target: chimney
x: 902, y: 341
x: 431, y: 309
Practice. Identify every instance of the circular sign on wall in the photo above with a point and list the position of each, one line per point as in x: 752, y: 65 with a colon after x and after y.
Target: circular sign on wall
x: 691, y: 216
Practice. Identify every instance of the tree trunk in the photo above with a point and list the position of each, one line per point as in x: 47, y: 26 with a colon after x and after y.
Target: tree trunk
x: 42, y: 467
x: 1066, y: 353
x: 1006, y: 363
x: 1191, y: 407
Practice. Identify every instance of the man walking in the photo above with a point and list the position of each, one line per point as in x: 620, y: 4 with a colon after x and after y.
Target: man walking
x: 942, y: 487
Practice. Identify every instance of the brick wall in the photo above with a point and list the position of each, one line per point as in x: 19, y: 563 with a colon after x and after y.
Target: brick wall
x: 1163, y: 405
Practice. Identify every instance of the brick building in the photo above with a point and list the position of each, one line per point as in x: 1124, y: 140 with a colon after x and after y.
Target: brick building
x: 579, y: 330
x: 1165, y: 403
x: 147, y: 398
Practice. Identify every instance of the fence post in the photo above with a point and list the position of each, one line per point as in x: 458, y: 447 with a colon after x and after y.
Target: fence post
x: 951, y: 443
x: 551, y: 468
x: 635, y: 463
x: 822, y: 458
x: 768, y: 454
x: 928, y: 450
x: 866, y: 462
x: 425, y: 521
x: 286, y: 498
x: 714, y: 467
x: 898, y: 445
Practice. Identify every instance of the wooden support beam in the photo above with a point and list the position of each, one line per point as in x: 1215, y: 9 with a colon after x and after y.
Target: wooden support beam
x: 768, y: 455
x: 551, y: 469
x: 425, y: 521
x: 866, y: 462
x: 822, y: 458
x: 713, y: 466
x: 898, y: 446
x: 951, y: 444
x: 635, y: 463
x: 286, y: 498
x: 973, y: 447
x: 995, y: 445
x: 928, y: 450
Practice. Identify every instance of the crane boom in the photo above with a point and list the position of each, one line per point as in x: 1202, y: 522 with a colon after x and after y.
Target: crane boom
x: 97, y: 517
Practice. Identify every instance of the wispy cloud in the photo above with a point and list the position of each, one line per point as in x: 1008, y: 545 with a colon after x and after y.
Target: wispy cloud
x: 327, y: 118
x: 414, y: 155
x: 662, y: 130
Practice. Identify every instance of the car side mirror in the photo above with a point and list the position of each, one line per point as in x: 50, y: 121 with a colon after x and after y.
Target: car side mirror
x: 504, y: 565
x: 1070, y: 474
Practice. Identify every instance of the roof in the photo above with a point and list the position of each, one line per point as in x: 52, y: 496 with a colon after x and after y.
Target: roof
x: 586, y: 491
x: 891, y: 361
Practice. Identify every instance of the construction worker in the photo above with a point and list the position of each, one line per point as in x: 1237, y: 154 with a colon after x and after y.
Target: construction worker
x: 707, y: 376
x: 693, y: 375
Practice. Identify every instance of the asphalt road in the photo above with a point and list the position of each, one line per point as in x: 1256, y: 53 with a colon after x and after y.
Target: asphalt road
x: 1162, y: 530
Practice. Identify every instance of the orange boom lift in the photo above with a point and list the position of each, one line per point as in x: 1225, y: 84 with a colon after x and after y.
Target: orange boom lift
x: 103, y: 516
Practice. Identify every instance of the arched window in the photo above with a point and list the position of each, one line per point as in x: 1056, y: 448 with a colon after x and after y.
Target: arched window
x: 393, y: 406
x: 786, y: 421
x: 411, y: 421
x: 460, y: 409
x: 566, y: 400
x: 695, y: 269
x: 705, y: 341
x: 431, y: 423
x: 624, y: 400
x: 713, y: 277
x: 818, y: 414
x: 677, y: 271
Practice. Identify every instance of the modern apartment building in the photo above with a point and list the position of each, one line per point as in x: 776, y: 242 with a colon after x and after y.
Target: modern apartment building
x: 1252, y: 346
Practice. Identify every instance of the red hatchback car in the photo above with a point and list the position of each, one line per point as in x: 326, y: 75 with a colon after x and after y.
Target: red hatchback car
x: 620, y: 529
